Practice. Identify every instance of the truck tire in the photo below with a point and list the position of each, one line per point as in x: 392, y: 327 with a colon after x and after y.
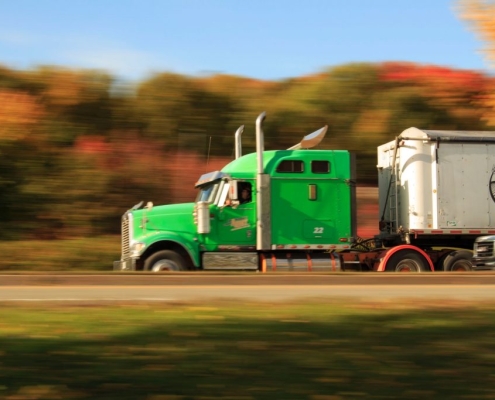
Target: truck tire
x: 165, y: 260
x: 440, y: 264
x: 407, y: 261
x: 458, y: 261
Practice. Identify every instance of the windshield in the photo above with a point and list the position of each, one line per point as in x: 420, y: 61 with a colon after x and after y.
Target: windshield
x: 207, y: 193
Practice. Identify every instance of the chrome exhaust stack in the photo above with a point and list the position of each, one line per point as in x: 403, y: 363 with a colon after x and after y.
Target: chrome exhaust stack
x: 238, y: 144
x: 263, y: 211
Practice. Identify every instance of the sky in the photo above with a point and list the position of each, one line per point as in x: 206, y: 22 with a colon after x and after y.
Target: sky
x: 261, y: 39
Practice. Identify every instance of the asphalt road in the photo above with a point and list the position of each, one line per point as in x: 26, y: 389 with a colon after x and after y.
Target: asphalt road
x: 179, y: 287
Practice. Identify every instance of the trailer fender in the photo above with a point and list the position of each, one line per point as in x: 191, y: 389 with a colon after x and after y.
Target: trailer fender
x: 405, y: 247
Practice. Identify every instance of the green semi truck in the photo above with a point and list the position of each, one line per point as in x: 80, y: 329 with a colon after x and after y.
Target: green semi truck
x: 295, y: 210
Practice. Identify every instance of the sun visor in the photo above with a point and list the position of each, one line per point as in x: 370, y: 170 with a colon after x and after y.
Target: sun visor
x: 210, y: 177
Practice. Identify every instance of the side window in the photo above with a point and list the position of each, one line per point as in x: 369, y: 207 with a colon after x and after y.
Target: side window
x: 320, y: 167
x: 290, y: 166
x: 245, y: 192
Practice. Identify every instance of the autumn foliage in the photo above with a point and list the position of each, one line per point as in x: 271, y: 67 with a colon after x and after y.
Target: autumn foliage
x: 480, y: 16
x: 78, y: 149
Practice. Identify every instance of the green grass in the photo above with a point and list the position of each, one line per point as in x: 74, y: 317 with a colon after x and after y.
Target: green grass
x: 90, y: 254
x: 247, y: 351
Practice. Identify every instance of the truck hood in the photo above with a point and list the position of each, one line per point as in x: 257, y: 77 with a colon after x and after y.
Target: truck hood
x: 170, y: 217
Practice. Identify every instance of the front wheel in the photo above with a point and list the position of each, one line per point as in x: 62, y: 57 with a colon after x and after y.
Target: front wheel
x: 407, y: 261
x: 165, y: 260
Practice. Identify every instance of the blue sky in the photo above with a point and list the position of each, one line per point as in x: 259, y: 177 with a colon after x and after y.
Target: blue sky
x: 263, y: 39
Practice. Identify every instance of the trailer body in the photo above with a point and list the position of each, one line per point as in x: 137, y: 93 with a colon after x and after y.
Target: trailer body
x: 440, y: 181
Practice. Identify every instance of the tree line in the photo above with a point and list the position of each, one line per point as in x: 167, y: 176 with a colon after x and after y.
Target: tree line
x: 78, y: 148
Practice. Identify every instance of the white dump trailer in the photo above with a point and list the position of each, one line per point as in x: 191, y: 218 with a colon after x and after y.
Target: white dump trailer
x: 435, y: 191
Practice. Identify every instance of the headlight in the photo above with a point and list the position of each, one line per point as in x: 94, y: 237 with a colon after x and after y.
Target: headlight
x: 137, y: 248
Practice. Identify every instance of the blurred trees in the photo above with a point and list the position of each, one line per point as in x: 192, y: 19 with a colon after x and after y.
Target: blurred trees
x: 480, y: 14
x: 77, y: 149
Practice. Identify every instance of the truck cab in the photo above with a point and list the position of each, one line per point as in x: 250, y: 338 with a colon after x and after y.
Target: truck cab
x: 264, y: 207
x: 484, y: 255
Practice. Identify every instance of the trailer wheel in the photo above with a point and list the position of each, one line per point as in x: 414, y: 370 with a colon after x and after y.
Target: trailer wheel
x: 440, y: 264
x: 165, y: 260
x: 407, y: 261
x: 458, y: 261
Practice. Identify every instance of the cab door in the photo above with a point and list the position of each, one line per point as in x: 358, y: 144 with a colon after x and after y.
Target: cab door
x: 236, y: 224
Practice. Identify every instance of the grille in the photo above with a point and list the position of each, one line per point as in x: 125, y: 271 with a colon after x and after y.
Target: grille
x: 483, y: 249
x: 125, y: 237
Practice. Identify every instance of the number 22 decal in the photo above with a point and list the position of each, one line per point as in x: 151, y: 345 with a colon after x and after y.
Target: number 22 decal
x: 318, y: 229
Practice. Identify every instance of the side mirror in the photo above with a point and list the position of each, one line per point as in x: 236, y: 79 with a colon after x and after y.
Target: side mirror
x: 233, y: 191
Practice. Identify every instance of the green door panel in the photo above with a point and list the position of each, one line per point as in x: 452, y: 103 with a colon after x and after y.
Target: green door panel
x: 237, y: 225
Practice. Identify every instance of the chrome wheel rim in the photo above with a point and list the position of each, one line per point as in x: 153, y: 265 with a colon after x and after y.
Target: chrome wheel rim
x: 165, y: 265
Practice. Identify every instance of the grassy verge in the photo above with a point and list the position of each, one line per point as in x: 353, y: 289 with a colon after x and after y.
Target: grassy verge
x: 247, y: 351
x: 92, y: 254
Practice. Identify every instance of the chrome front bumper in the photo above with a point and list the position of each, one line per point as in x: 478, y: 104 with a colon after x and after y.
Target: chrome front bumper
x: 128, y: 264
x: 483, y: 263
